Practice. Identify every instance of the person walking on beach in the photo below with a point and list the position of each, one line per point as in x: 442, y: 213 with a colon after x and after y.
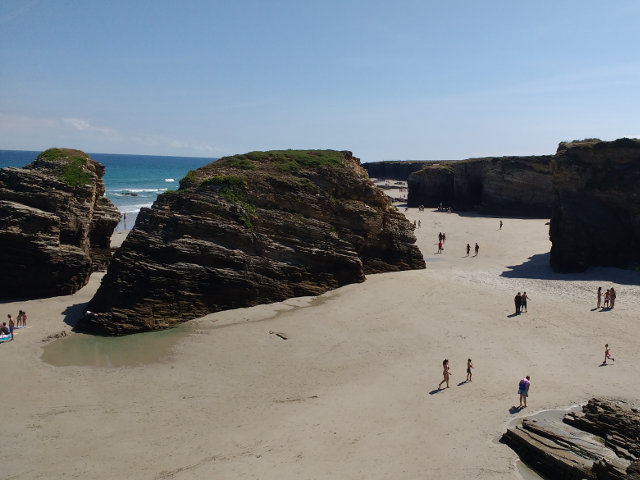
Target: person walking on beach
x: 523, y: 302
x: 468, y: 249
x: 518, y: 301
x: 606, y: 299
x: 477, y: 248
x: 469, y: 367
x: 599, y: 296
x: 500, y: 224
x: 446, y: 373
x: 440, y: 246
x: 444, y: 237
x: 607, y: 354
x: 523, y: 390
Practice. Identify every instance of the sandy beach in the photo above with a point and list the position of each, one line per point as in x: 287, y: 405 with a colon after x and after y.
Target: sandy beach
x: 351, y: 393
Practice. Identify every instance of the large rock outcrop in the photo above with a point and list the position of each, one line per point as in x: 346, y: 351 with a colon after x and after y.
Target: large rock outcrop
x: 601, y: 442
x: 394, y: 169
x: 494, y: 185
x: 56, y: 224
x: 596, y: 205
x: 251, y: 229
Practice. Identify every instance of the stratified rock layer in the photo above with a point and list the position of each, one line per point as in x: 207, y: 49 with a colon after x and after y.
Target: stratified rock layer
x: 251, y: 229
x: 596, y: 206
x: 55, y: 222
x: 601, y: 442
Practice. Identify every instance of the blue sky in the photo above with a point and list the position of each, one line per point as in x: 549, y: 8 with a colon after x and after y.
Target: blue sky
x: 387, y: 80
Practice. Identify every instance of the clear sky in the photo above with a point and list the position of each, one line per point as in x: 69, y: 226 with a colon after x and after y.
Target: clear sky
x: 387, y: 80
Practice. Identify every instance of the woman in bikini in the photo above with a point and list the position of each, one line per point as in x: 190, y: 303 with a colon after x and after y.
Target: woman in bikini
x: 446, y: 373
x: 469, y: 367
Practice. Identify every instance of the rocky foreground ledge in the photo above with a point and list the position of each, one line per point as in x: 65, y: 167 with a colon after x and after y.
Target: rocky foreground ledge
x: 251, y: 229
x: 601, y: 442
x: 55, y: 224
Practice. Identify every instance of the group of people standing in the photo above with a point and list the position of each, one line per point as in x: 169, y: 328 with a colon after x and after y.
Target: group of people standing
x: 446, y: 372
x: 21, y: 322
x: 477, y: 249
x: 609, y: 298
x: 521, y: 302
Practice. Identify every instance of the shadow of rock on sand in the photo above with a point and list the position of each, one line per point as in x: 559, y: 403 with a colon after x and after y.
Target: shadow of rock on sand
x: 538, y: 267
x: 73, y: 313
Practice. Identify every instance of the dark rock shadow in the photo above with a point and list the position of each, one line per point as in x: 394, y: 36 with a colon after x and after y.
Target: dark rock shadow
x: 538, y: 267
x: 73, y: 313
x: 513, y: 410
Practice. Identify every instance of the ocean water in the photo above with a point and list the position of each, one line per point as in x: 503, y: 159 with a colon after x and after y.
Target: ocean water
x: 131, y: 181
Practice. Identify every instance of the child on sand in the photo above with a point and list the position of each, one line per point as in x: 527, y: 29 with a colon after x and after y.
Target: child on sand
x: 607, y: 354
x: 446, y: 373
x: 469, y: 367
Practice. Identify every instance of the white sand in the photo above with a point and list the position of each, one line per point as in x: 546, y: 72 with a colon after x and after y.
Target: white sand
x: 349, y: 394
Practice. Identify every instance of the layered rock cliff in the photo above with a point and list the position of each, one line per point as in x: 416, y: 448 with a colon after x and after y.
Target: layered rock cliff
x: 55, y: 222
x: 394, y: 169
x: 495, y: 185
x: 596, y: 205
x: 251, y: 229
x: 600, y: 443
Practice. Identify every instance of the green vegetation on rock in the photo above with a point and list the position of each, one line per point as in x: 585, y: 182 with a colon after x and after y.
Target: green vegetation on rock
x: 286, y: 160
x: 73, y: 173
x: 237, y: 161
x: 188, y: 179
x: 70, y: 169
x: 233, y: 189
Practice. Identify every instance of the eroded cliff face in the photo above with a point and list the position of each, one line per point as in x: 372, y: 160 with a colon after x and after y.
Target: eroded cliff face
x: 251, y: 229
x: 56, y: 224
x: 596, y: 205
x: 394, y: 169
x: 494, y: 185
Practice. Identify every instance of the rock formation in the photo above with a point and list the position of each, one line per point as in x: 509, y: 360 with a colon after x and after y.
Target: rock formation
x: 56, y: 224
x: 394, y: 169
x: 601, y: 442
x: 495, y: 185
x: 251, y: 229
x: 596, y: 205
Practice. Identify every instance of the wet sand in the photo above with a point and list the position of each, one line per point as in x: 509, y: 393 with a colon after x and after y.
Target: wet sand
x: 352, y: 392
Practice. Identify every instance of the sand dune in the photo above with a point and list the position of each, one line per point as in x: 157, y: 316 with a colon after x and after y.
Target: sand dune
x: 351, y: 393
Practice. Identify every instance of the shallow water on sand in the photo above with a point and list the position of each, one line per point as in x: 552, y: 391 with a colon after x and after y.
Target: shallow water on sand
x: 109, y: 352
